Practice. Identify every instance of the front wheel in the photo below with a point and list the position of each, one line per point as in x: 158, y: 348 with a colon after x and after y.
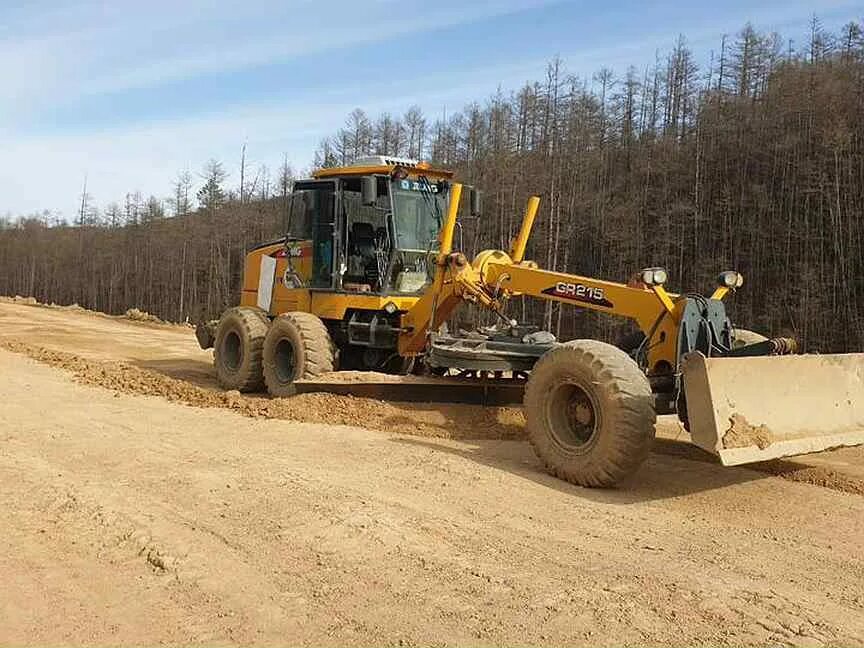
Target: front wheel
x: 589, y: 413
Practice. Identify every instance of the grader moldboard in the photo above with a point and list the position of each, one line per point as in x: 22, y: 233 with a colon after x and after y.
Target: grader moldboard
x: 368, y: 274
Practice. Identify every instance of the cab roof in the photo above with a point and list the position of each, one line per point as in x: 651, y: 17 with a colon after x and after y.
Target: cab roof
x: 383, y: 164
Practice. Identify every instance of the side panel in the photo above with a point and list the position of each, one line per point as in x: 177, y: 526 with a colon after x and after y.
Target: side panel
x: 286, y: 275
x: 294, y: 299
x: 291, y: 269
x: 330, y: 305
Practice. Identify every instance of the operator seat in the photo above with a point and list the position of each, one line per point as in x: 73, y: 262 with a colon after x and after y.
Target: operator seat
x: 363, y: 240
x: 362, y: 261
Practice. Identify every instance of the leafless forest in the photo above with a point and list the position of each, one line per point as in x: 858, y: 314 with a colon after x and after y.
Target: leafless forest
x: 752, y: 160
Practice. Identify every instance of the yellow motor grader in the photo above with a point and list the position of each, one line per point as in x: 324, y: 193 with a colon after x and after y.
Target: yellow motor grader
x: 368, y: 273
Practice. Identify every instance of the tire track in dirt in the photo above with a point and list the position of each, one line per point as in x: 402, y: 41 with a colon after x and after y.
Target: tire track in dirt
x: 451, y: 421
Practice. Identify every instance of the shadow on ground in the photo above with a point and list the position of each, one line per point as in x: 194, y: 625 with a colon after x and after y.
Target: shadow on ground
x: 197, y: 372
x: 674, y: 469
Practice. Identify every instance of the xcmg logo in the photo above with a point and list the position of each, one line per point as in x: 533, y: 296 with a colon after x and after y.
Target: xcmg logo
x: 292, y: 252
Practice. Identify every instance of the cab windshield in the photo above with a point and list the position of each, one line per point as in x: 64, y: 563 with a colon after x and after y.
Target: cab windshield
x: 418, y: 213
x: 419, y: 207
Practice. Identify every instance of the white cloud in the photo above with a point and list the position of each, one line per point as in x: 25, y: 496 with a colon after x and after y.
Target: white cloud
x: 103, y: 49
x: 46, y: 172
x: 314, y: 33
x: 28, y: 69
x: 55, y: 53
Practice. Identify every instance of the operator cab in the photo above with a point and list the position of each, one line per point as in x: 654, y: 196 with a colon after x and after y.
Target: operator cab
x: 372, y: 227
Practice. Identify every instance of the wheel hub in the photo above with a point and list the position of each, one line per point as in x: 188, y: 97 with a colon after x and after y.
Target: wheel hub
x: 581, y: 412
x: 285, y: 360
x: 572, y: 417
x: 233, y: 351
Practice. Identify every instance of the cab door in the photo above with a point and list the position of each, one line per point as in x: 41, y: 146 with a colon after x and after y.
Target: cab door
x: 313, y: 219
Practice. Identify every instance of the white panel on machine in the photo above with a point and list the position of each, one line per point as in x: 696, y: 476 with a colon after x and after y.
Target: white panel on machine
x: 265, y: 282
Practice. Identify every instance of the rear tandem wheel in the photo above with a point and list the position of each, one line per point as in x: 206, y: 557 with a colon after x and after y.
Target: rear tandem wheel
x: 237, y: 348
x: 297, y: 345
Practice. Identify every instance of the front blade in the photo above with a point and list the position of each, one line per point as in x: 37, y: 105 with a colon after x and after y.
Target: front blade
x: 753, y: 409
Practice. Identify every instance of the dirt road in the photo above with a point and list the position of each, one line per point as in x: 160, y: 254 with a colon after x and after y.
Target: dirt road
x: 134, y: 519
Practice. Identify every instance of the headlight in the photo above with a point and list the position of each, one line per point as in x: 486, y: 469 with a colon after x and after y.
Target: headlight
x: 390, y: 308
x: 730, y: 279
x: 653, y: 276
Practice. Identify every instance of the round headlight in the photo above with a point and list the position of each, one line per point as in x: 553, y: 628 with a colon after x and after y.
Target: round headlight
x: 653, y: 276
x: 730, y: 279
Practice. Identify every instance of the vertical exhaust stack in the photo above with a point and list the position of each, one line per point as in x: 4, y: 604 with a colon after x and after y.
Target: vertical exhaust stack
x: 757, y: 408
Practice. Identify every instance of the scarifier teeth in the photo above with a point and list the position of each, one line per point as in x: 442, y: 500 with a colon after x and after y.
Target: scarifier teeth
x: 783, y: 346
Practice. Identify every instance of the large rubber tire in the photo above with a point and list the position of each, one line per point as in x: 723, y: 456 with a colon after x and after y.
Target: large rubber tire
x: 589, y: 413
x: 743, y: 337
x: 297, y: 345
x: 237, y: 349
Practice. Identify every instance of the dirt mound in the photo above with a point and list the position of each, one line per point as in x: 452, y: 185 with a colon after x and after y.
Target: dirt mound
x: 18, y: 299
x: 131, y: 314
x: 742, y: 434
x: 817, y: 475
x: 32, y: 301
x: 141, y: 316
x: 439, y: 420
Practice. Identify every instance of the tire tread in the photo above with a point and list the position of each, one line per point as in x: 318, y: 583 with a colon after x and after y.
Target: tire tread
x: 254, y: 324
x: 319, y: 352
x: 631, y: 407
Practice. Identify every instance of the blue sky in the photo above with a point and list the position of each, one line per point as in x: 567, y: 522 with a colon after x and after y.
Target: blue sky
x: 131, y: 93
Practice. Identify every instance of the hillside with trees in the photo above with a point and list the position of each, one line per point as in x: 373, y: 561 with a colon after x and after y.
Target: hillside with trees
x: 753, y: 160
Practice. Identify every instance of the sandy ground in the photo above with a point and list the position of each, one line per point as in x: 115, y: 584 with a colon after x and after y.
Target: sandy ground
x: 132, y: 519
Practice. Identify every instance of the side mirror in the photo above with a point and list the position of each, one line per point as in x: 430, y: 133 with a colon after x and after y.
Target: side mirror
x: 476, y: 202
x: 369, y: 190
